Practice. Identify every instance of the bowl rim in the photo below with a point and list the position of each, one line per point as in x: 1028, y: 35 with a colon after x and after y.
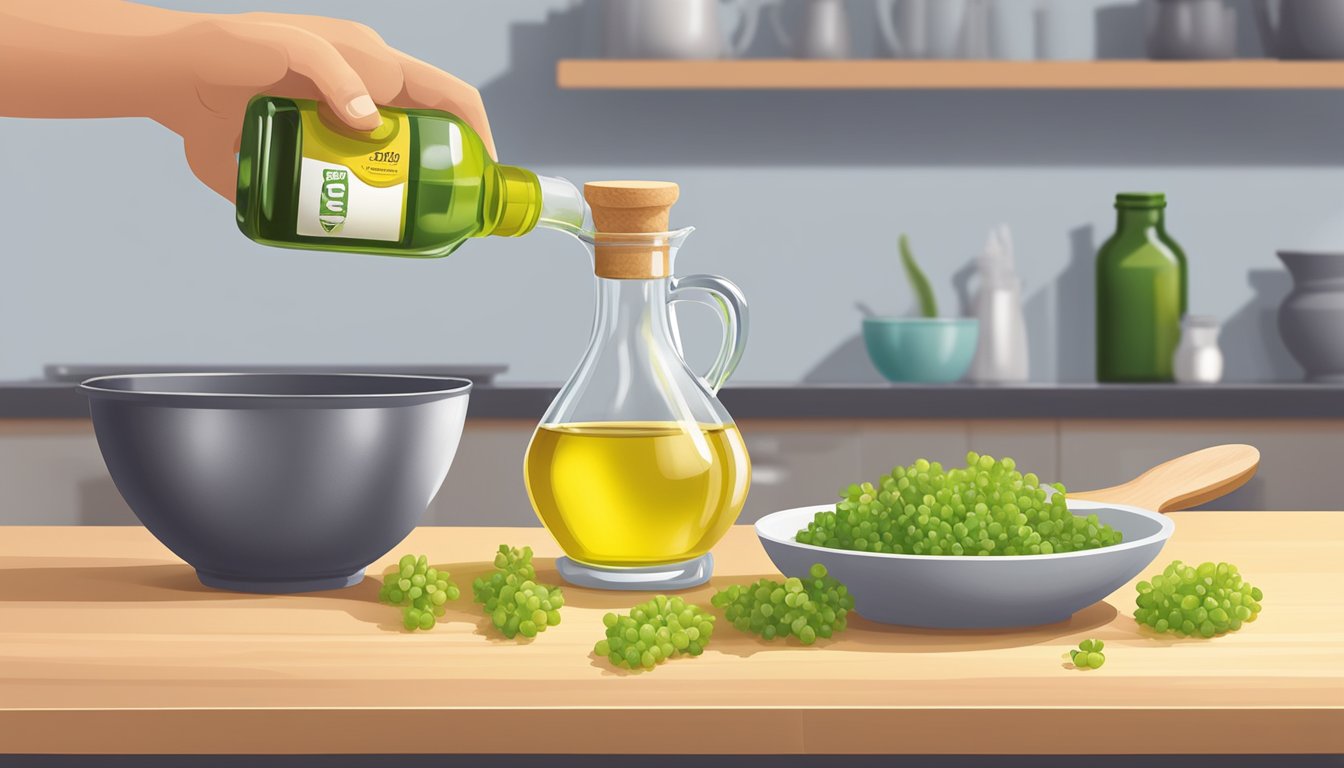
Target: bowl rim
x: 94, y: 387
x: 898, y: 320
x: 1167, y: 527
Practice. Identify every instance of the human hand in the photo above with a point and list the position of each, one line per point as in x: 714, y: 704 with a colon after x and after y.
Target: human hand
x: 222, y: 61
x: 195, y: 72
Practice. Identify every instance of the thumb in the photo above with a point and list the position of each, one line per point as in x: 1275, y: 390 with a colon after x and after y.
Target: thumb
x: 214, y: 164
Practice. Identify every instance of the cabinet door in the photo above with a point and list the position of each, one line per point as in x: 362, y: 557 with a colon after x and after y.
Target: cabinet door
x: 801, y: 463
x: 51, y: 473
x: 485, y: 485
x: 1034, y: 445
x: 798, y: 463
x: 886, y: 444
x: 1296, y: 457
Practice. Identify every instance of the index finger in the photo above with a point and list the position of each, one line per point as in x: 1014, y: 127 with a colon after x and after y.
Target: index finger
x: 427, y: 86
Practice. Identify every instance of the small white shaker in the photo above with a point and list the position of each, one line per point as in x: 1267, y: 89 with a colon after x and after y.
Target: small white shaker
x: 1198, y: 359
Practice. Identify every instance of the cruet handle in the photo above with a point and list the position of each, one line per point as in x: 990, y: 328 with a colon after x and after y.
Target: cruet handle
x: 727, y: 299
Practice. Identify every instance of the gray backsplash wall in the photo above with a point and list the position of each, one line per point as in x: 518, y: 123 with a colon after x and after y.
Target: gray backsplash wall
x: 114, y: 253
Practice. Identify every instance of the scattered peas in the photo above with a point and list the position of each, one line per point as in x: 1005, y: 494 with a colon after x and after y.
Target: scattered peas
x: 988, y: 508
x: 512, y: 598
x: 654, y: 632
x: 1206, y: 600
x: 1088, y: 655
x: 806, y: 610
x: 420, y: 589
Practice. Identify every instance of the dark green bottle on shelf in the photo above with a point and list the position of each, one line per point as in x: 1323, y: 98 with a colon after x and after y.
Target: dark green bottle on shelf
x: 1141, y: 293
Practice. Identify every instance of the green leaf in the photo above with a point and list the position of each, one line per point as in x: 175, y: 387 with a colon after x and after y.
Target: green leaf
x: 928, y: 305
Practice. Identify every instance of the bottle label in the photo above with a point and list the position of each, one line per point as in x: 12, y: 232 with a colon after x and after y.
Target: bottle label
x: 354, y: 187
x: 335, y: 195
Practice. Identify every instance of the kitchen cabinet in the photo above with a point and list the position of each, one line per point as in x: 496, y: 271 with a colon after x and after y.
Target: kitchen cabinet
x: 52, y: 474
x: 1296, y: 457
x: 799, y: 462
x: 110, y: 647
x: 485, y: 484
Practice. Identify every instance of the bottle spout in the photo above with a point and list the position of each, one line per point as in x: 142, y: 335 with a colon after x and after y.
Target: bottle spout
x: 562, y: 206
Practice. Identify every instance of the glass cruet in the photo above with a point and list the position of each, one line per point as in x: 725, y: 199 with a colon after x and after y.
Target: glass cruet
x: 636, y: 469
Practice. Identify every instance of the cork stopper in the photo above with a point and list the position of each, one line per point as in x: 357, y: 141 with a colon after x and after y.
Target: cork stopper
x: 630, y: 208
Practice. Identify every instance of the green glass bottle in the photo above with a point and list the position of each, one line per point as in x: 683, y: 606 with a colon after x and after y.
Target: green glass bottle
x: 1141, y: 294
x: 418, y: 185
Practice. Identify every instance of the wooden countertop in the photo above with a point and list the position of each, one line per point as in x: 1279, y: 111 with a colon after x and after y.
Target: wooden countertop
x: 108, y: 645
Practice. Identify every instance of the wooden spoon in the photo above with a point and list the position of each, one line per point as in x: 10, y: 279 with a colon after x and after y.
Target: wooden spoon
x: 1184, y: 482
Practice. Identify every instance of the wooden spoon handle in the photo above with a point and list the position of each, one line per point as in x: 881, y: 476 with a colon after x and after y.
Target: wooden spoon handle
x: 1184, y: 482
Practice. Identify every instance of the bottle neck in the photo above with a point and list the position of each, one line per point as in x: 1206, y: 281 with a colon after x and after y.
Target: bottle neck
x: 512, y: 201
x: 518, y: 201
x: 1139, y: 218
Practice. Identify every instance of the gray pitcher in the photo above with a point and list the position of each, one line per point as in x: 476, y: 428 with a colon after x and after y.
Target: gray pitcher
x: 1302, y: 29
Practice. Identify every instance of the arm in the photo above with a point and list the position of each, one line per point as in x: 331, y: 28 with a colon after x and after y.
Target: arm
x: 81, y: 58
x: 194, y: 73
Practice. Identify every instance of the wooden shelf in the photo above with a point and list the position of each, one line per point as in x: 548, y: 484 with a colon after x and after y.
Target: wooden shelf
x: 769, y: 74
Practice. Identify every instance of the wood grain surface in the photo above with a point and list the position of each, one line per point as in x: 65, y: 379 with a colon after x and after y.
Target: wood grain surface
x: 109, y: 645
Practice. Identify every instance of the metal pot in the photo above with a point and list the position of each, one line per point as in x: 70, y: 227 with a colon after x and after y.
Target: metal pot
x: 1303, y: 29
x: 825, y: 33
x: 1191, y: 29
x: 676, y: 29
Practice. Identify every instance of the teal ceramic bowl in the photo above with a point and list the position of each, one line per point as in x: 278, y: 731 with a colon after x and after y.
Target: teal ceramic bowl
x: 921, y: 350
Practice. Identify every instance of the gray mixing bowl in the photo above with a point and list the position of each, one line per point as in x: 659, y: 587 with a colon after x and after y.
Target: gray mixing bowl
x: 278, y: 482
x: 975, y: 592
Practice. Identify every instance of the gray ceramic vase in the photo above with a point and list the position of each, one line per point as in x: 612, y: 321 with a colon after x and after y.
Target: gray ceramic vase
x: 1311, y: 318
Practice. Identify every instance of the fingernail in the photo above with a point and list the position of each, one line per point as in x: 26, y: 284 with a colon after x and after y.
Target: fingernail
x: 361, y: 106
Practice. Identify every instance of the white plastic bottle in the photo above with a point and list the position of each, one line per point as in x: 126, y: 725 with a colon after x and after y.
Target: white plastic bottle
x: 1001, y: 356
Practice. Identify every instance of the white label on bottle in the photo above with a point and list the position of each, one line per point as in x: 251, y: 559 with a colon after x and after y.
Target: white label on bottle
x: 334, y: 202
